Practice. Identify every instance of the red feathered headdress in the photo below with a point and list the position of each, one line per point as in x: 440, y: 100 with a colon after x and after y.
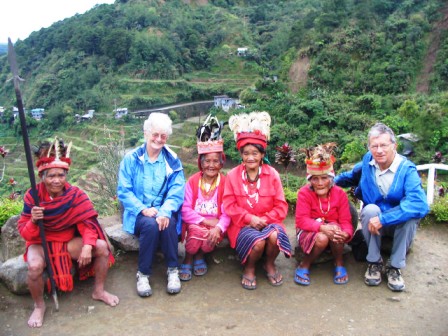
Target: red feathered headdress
x: 53, y: 155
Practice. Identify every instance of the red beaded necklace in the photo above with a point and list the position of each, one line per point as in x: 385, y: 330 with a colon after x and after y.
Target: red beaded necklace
x: 328, y: 206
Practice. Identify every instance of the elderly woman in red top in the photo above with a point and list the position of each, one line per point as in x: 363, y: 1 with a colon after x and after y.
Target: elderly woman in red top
x: 323, y: 217
x: 71, y: 229
x: 254, y: 200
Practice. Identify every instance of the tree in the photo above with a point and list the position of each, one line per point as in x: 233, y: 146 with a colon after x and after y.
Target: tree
x: 116, y: 45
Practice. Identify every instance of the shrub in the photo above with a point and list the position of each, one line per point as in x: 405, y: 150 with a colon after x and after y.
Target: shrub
x: 9, y: 208
x: 173, y: 115
x: 291, y: 198
x: 103, y: 183
x: 353, y: 152
x: 294, y: 182
x: 440, y: 209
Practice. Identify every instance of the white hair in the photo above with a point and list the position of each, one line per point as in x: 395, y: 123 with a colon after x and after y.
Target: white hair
x: 159, y: 121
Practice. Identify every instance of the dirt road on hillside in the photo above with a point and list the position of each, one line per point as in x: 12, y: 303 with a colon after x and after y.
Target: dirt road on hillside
x: 217, y: 305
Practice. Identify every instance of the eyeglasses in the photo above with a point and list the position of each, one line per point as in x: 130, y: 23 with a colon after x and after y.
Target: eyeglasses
x: 157, y: 135
x: 383, y: 147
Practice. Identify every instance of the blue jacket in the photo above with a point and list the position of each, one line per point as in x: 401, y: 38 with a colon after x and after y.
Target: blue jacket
x: 130, y: 187
x: 405, y: 199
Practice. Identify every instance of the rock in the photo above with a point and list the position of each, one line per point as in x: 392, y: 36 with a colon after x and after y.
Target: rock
x: 13, y: 244
x: 394, y: 299
x: 13, y: 274
x: 123, y: 240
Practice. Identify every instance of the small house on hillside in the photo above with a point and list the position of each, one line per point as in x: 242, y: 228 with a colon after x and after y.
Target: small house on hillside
x: 85, y: 117
x: 242, y: 52
x: 88, y: 115
x: 37, y: 113
x: 121, y: 112
x: 270, y: 78
x: 225, y: 103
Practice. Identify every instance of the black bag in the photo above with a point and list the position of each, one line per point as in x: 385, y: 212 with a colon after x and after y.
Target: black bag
x: 359, y: 246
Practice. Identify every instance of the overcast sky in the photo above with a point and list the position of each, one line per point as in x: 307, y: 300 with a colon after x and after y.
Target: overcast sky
x: 19, y: 18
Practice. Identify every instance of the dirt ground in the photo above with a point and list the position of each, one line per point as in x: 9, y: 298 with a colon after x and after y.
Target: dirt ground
x: 216, y: 304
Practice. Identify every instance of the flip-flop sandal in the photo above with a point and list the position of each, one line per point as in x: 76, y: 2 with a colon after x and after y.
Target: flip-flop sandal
x: 272, y: 278
x: 342, y: 273
x: 200, y: 267
x: 301, y: 275
x: 185, y: 270
x: 252, y: 284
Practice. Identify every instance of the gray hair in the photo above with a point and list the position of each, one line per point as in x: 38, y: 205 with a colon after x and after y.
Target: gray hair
x: 379, y: 129
x: 159, y: 121
x: 329, y: 176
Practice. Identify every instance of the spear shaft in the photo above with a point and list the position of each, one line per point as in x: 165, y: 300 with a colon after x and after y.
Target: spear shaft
x: 29, y: 161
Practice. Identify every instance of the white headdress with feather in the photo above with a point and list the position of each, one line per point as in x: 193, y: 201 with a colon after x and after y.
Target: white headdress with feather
x: 253, y: 122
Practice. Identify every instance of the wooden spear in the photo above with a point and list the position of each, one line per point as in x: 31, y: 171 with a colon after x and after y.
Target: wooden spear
x: 29, y: 160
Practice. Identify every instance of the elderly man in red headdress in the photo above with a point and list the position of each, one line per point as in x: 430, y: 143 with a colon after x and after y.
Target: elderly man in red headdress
x: 71, y: 228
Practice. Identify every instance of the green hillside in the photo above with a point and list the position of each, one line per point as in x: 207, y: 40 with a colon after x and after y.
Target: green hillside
x: 123, y: 51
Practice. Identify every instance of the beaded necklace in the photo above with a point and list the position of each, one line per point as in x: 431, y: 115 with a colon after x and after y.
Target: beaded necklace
x: 254, y: 191
x: 207, y: 189
x: 328, y: 206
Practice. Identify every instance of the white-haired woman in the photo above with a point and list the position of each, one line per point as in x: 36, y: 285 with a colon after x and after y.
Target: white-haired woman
x: 151, y: 187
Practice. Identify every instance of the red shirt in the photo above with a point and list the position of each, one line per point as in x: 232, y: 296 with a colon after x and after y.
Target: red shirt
x: 308, y: 210
x: 271, y: 205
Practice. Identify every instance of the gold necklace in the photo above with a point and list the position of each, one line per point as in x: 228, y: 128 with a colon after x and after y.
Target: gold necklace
x: 202, y: 185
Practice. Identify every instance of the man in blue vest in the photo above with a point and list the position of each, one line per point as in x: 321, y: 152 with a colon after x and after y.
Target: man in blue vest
x: 394, y: 202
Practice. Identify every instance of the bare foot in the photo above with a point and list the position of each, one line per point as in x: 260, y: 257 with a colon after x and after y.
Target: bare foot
x: 107, y: 298
x: 37, y: 317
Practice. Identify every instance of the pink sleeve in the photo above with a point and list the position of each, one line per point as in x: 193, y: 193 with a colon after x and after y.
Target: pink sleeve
x: 304, y: 205
x: 189, y: 216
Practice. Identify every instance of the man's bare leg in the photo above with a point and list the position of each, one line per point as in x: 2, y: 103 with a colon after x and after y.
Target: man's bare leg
x: 101, y: 266
x: 36, y: 265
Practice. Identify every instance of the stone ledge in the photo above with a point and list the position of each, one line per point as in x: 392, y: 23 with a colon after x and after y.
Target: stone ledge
x: 121, y: 239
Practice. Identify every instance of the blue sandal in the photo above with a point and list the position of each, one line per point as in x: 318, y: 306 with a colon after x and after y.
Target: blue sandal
x: 342, y: 274
x: 185, y: 272
x: 200, y: 267
x: 302, y: 276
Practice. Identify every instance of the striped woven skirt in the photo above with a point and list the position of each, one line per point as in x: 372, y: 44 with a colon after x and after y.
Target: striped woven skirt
x: 249, y: 236
x: 306, y: 240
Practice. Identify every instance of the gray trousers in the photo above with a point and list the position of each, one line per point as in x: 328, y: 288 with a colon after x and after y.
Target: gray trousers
x: 403, y: 234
